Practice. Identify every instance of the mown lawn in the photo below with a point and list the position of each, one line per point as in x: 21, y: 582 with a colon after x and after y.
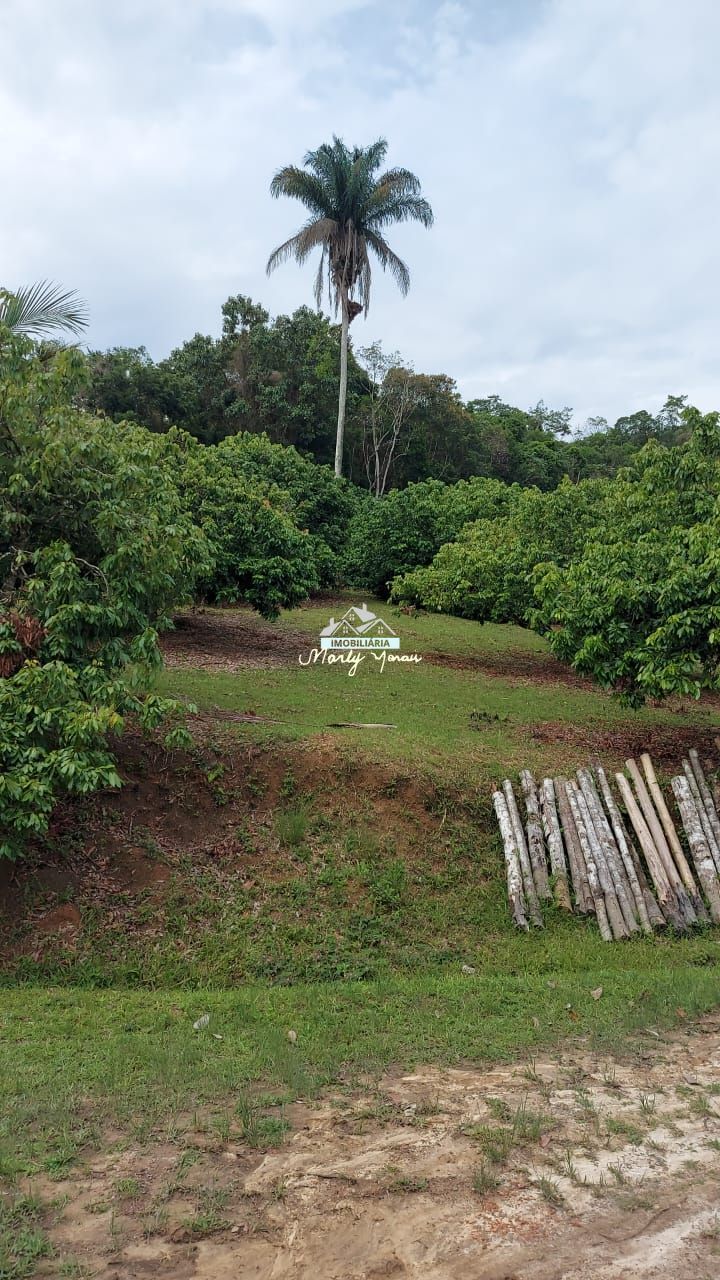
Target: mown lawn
x: 469, y: 720
x: 348, y: 934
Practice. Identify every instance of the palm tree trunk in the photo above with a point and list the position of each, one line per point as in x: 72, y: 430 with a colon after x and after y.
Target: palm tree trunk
x: 343, y: 383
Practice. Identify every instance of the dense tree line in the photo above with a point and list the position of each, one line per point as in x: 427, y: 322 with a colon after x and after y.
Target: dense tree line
x: 280, y: 376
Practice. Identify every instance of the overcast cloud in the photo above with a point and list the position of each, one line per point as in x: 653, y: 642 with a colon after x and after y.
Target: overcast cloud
x: 570, y: 149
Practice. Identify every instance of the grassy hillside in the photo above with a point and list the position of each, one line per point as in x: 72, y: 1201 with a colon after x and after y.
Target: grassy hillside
x: 287, y: 876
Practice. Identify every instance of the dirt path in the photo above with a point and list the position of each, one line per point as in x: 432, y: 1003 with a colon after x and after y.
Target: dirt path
x: 566, y: 1168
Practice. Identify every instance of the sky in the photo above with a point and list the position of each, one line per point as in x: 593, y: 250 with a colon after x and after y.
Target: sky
x: 570, y: 150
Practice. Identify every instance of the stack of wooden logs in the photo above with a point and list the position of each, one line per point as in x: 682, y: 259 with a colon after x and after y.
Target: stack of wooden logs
x: 614, y: 854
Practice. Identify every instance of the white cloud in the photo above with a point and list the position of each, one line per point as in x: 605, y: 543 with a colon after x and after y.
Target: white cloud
x: 570, y: 149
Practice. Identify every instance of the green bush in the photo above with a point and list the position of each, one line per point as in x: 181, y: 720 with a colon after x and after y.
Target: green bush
x: 391, y: 535
x: 317, y: 500
x: 95, y: 548
x: 639, y: 608
x: 257, y: 552
x: 488, y: 574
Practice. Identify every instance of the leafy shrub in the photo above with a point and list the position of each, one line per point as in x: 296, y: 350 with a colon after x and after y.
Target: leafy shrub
x: 639, y: 608
x: 488, y: 573
x: 391, y: 535
x: 95, y: 548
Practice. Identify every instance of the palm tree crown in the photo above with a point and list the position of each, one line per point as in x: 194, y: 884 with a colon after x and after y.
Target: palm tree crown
x: 350, y: 205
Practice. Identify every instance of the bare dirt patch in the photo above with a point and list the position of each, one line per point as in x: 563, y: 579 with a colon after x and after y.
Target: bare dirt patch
x: 666, y: 743
x: 231, y: 640
x: 566, y: 1168
x: 515, y: 666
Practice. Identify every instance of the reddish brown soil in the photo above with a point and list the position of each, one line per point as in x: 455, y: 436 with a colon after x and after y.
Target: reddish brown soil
x: 231, y: 640
x: 515, y: 666
x: 169, y: 825
x: 666, y: 743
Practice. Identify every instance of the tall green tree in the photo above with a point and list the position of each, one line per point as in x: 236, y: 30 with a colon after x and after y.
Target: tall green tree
x: 350, y: 204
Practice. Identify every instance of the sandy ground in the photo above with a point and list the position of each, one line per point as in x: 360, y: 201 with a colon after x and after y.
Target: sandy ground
x: 611, y: 1170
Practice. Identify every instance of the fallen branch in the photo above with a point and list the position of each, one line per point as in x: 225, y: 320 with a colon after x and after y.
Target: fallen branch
x: 578, y: 873
x: 672, y: 838
x: 663, y: 888
x: 531, y: 897
x: 701, y: 855
x: 631, y: 862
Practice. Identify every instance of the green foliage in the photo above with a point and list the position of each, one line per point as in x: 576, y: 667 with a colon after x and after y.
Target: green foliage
x: 95, y: 547
x: 258, y: 553
x: 639, y: 609
x: 319, y: 502
x: 488, y: 573
x: 404, y: 529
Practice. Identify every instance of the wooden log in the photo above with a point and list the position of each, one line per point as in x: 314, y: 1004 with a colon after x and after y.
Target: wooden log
x: 531, y: 897
x: 516, y: 895
x: 663, y: 888
x: 619, y: 885
x: 554, y: 841
x: 583, y: 898
x: 699, y: 849
x: 705, y: 793
x: 702, y: 813
x: 615, y: 916
x: 681, y: 894
x: 627, y: 853
x: 535, y: 839
x: 672, y: 837
x: 598, y: 897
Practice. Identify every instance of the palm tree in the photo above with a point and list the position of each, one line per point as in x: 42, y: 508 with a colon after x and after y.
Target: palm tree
x: 350, y: 205
x: 41, y: 309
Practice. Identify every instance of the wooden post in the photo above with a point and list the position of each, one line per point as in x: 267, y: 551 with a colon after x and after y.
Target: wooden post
x: 702, y: 813
x: 612, y: 906
x: 527, y: 876
x: 574, y: 798
x: 681, y: 895
x: 553, y: 837
x: 663, y: 888
x: 618, y: 883
x: 516, y: 895
x: 701, y: 855
x: 672, y: 837
x: 583, y: 898
x: 705, y: 794
x: 626, y: 851
x: 536, y: 843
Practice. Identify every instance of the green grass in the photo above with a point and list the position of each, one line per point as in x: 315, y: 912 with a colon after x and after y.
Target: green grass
x: 332, y: 915
x: 23, y: 1243
x: 432, y: 706
x: 73, y: 1061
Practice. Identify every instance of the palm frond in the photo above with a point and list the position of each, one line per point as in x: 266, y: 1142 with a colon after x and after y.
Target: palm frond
x: 389, y: 261
x: 316, y: 232
x: 400, y: 208
x: 301, y: 185
x: 400, y: 182
x: 42, y: 308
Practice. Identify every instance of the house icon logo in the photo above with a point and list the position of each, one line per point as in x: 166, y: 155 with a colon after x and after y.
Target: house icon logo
x: 358, y: 629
